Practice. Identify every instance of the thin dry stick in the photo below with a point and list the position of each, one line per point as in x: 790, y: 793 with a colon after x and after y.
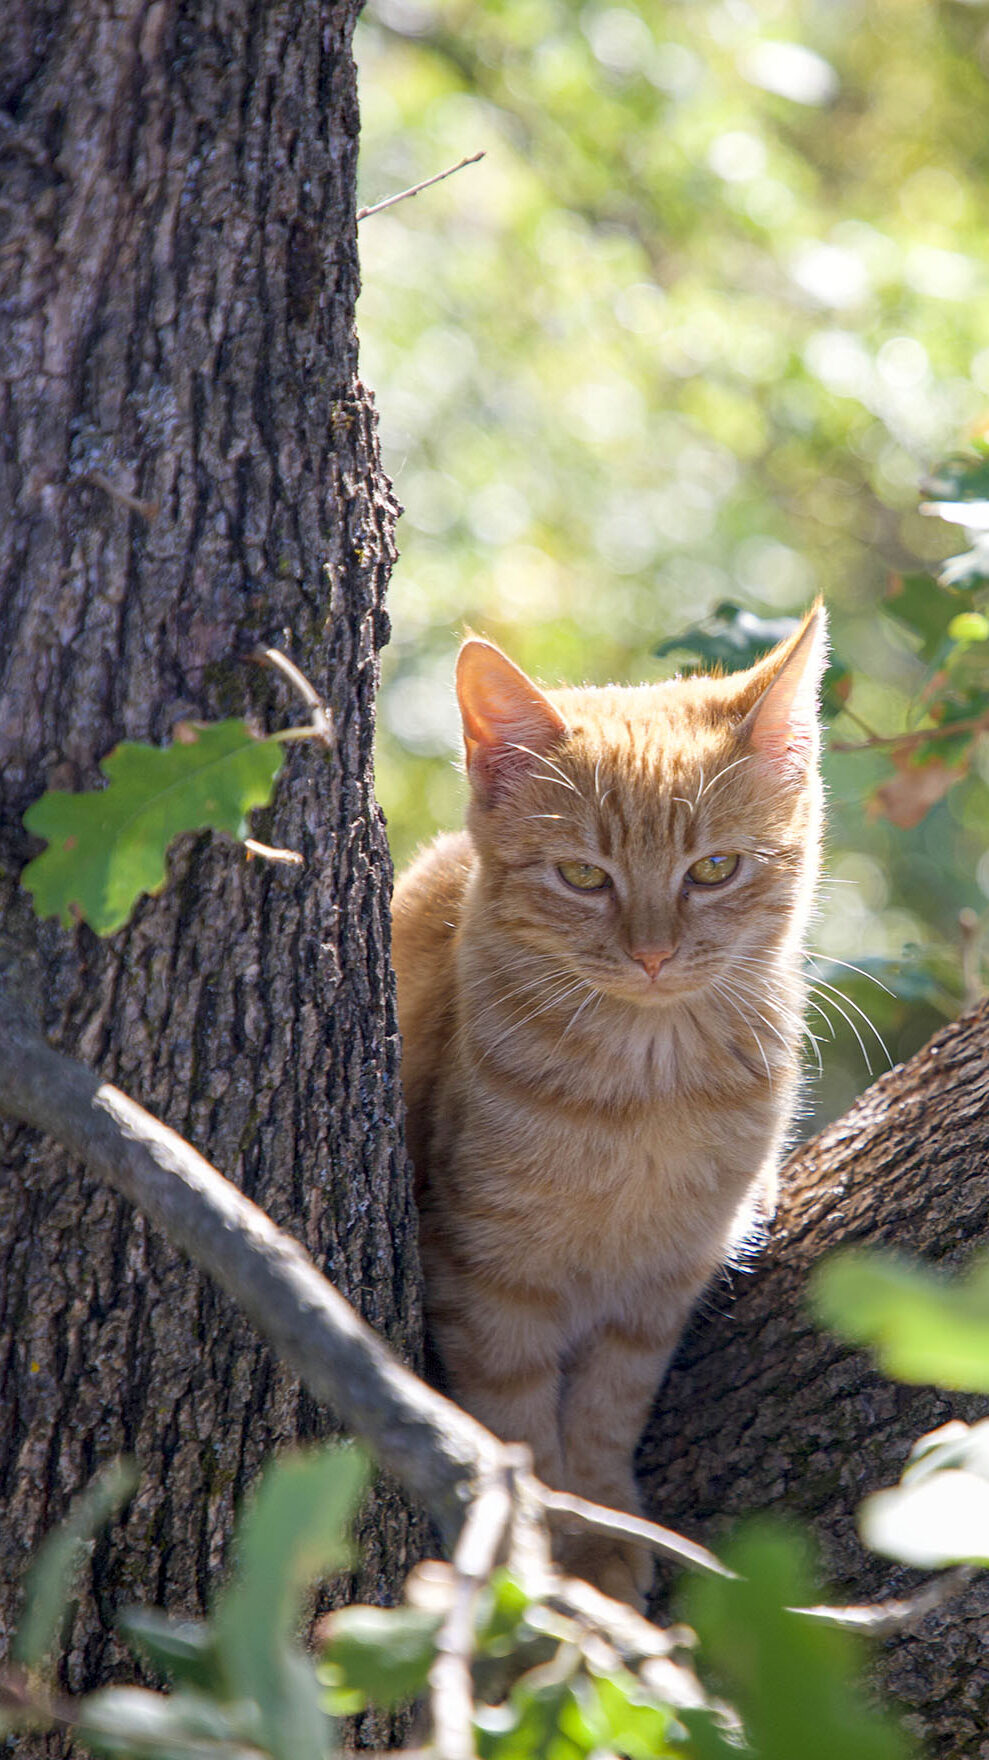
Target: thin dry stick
x: 882, y: 1618
x: 450, y: 1682
x: 320, y: 717
x: 254, y: 848
x: 594, y: 1516
x: 904, y: 742
x: 404, y: 195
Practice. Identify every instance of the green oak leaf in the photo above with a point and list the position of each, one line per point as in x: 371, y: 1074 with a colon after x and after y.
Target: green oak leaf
x: 108, y: 846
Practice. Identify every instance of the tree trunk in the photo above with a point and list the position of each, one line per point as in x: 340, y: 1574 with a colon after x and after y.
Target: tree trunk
x: 764, y: 1412
x: 189, y: 469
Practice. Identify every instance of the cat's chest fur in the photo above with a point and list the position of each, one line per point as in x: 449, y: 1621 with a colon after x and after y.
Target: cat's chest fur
x: 601, y: 1007
x: 631, y: 1172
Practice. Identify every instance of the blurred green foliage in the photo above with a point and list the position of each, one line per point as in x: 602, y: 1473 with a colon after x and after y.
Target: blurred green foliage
x: 693, y: 333
x: 549, y: 1680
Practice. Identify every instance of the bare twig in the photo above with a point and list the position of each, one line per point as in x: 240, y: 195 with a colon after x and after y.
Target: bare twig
x: 146, y: 510
x: 320, y: 717
x: 405, y: 195
x: 254, y: 848
x: 885, y: 1617
x: 562, y: 1506
x: 474, y: 1558
x: 905, y: 742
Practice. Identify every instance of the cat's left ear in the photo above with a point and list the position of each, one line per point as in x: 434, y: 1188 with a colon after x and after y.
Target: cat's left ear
x: 507, y: 719
x: 782, y: 727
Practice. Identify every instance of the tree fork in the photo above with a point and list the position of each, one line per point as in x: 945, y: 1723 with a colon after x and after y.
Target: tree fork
x: 761, y: 1411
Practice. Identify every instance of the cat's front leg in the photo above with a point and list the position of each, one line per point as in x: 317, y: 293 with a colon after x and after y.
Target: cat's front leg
x: 501, y: 1346
x: 607, y: 1397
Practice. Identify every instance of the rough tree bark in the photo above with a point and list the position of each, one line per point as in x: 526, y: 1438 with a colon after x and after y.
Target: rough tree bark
x: 187, y: 468
x: 763, y: 1412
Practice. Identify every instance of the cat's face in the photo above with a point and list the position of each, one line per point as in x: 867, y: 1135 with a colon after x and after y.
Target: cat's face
x: 656, y: 840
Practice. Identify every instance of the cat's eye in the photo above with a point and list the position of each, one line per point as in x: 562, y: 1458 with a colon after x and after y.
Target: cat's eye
x: 584, y: 876
x: 713, y: 870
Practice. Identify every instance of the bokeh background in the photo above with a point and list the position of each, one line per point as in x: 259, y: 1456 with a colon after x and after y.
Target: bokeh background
x: 693, y: 331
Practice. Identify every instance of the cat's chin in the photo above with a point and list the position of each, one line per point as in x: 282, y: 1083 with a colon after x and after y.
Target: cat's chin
x: 649, y: 995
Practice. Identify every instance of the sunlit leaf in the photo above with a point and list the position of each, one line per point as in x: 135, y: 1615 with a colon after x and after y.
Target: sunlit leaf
x: 922, y: 1325
x: 939, y: 1513
x: 969, y: 626
x: 381, y: 1654
x: 793, y: 1680
x: 107, y: 847
x: 60, y: 1557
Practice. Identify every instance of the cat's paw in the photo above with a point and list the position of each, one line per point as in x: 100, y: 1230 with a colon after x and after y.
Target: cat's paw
x: 620, y: 1570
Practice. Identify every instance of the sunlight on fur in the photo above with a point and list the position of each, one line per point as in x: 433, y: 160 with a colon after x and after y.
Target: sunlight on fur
x: 601, y: 1001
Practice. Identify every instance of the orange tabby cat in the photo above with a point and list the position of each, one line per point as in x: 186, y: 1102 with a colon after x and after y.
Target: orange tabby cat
x: 601, y: 1002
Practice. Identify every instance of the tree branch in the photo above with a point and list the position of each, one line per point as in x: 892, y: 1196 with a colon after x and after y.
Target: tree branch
x: 405, y: 195
x: 436, y: 1450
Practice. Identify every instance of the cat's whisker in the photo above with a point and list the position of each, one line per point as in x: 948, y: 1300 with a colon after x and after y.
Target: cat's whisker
x: 720, y: 775
x: 734, y: 1006
x: 832, y: 959
x: 557, y: 781
x: 544, y: 816
x: 746, y: 996
x: 789, y: 1016
x: 543, y: 758
x: 516, y: 1026
x: 820, y: 984
x: 578, y: 1011
x: 826, y: 1018
x: 700, y: 791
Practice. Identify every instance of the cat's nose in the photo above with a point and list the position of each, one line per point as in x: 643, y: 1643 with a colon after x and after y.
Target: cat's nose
x: 651, y: 959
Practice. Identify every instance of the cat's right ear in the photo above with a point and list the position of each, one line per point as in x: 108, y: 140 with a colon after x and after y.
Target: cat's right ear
x: 507, y: 719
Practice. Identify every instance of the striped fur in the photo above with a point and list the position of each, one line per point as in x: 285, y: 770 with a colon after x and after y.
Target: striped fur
x: 593, y: 1137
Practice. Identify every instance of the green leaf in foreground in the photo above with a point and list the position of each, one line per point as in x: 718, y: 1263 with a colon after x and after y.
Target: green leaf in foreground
x: 379, y: 1655
x: 53, y: 1571
x: 295, y: 1529
x: 131, y: 1723
x: 939, y: 1512
x: 107, y: 847
x: 921, y: 1325
x: 792, y: 1679
x: 183, y: 1649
